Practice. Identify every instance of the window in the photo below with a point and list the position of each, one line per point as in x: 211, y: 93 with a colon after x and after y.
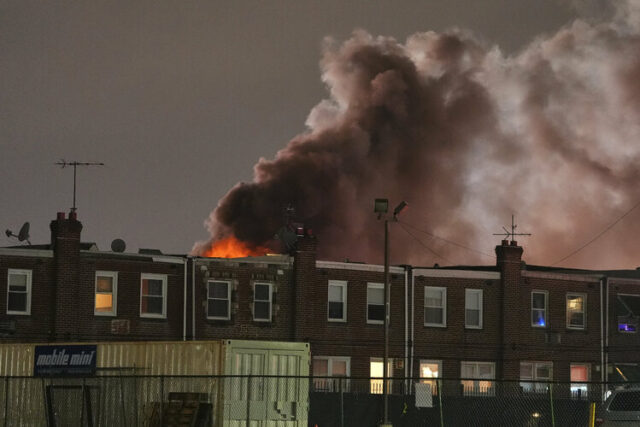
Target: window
x: 106, y: 293
x: 262, y: 302
x: 376, y: 371
x: 473, y: 308
x: 435, y: 306
x: 218, y: 300
x: 576, y: 313
x: 535, y: 371
x: 337, y: 301
x: 539, y: 309
x: 430, y: 369
x: 375, y: 303
x: 476, y: 376
x: 153, y: 295
x: 324, y: 366
x: 19, y: 291
x: 628, y: 313
x: 580, y: 375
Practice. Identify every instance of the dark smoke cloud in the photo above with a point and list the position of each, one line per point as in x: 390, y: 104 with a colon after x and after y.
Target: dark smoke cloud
x: 467, y: 136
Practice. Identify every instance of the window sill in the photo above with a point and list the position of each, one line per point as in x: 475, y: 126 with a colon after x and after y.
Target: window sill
x: 18, y: 313
x: 337, y: 321
x: 105, y: 314
x: 152, y: 317
x: 433, y: 325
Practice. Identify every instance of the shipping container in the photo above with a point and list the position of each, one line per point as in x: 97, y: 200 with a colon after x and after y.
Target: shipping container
x: 227, y: 382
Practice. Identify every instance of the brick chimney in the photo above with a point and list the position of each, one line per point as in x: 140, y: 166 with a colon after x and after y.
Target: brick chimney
x: 65, y: 242
x: 509, y: 261
x: 304, y: 267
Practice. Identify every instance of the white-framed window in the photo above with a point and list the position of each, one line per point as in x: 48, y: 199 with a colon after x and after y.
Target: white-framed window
x: 376, y: 370
x: 331, y: 366
x: 576, y: 311
x: 539, y: 301
x: 337, y: 301
x: 435, y: 306
x: 19, y: 284
x: 477, y: 378
x: 473, y: 308
x: 580, y: 375
x: 106, y: 295
x: 153, y: 295
x: 429, y: 370
x: 262, y: 298
x: 375, y: 303
x: 530, y: 372
x: 218, y: 299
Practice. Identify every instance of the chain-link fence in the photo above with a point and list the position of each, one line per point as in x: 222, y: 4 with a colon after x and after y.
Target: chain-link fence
x: 261, y: 401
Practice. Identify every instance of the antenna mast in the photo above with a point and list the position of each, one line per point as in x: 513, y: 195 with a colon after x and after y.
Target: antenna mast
x: 62, y: 163
x: 511, y: 234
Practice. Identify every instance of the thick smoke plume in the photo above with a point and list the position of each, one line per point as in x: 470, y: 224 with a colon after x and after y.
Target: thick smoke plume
x: 467, y: 136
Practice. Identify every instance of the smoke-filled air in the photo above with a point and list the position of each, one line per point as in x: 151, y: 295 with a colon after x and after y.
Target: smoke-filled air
x: 468, y: 136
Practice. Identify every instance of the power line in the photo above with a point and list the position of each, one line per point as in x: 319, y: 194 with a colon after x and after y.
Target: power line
x: 423, y: 244
x: 447, y: 240
x: 599, y: 234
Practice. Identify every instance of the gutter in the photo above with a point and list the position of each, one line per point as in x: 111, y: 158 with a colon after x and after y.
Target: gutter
x: 184, y: 302
x: 413, y: 317
x: 602, y: 368
x: 193, y: 299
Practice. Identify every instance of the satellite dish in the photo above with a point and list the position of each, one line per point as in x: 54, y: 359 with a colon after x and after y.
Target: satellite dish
x: 23, y: 234
x: 118, y: 245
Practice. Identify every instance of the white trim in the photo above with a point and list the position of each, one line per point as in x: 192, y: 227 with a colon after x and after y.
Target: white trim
x: 621, y: 281
x: 589, y: 278
x: 444, y: 307
x: 114, y: 293
x: 163, y: 278
x: 546, y: 308
x: 480, y: 302
x: 29, y: 283
x: 456, y: 274
x: 270, y: 301
x: 343, y: 285
x: 359, y: 267
x: 374, y: 285
x: 228, y: 299
x: 167, y: 259
x: 584, y: 310
x: 35, y: 253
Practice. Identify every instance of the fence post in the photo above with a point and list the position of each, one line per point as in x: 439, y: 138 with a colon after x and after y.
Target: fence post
x: 341, y: 402
x: 553, y: 416
x: 439, y: 388
x: 6, y: 399
x: 248, y: 400
x: 161, y: 399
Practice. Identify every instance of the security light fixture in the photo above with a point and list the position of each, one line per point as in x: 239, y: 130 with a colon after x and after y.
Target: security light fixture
x: 400, y: 208
x: 381, y: 206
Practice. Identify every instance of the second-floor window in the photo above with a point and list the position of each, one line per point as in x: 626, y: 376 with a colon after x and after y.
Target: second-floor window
x: 153, y: 295
x: 262, y: 302
x: 218, y: 300
x: 576, y: 311
x: 106, y: 293
x: 375, y: 303
x: 539, y: 309
x: 473, y: 308
x: 19, y: 291
x: 435, y: 306
x: 337, y: 301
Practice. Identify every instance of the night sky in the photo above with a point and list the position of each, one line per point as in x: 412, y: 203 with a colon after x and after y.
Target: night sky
x: 181, y: 99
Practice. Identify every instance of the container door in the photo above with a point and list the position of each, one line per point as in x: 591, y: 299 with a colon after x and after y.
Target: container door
x: 245, y: 393
x: 288, y: 392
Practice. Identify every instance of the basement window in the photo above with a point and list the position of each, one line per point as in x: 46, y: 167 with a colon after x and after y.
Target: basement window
x: 262, y: 302
x: 106, y: 293
x: 218, y: 300
x: 153, y: 295
x: 19, y: 291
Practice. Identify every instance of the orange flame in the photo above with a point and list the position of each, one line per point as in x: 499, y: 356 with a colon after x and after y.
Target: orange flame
x: 230, y: 247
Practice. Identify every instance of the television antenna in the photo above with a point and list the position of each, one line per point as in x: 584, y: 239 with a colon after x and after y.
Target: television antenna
x: 62, y: 163
x: 511, y: 234
x: 22, y: 235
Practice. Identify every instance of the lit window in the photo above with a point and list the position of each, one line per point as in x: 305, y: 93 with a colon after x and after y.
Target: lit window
x: 476, y: 378
x: 106, y: 293
x: 324, y: 366
x: 153, y: 295
x: 580, y: 375
x: 627, y: 311
x: 473, y: 308
x: 435, y: 306
x: 539, y: 309
x: 262, y: 302
x: 430, y: 369
x: 375, y: 303
x: 337, y: 301
x: 576, y: 313
x: 376, y: 371
x: 218, y: 300
x: 531, y: 372
x: 19, y: 291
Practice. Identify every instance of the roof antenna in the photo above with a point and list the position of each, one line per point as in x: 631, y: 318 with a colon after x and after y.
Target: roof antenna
x: 511, y: 234
x: 62, y: 163
x: 22, y: 235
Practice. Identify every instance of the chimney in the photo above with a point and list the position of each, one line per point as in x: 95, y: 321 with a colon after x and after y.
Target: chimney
x: 304, y: 267
x: 65, y: 242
